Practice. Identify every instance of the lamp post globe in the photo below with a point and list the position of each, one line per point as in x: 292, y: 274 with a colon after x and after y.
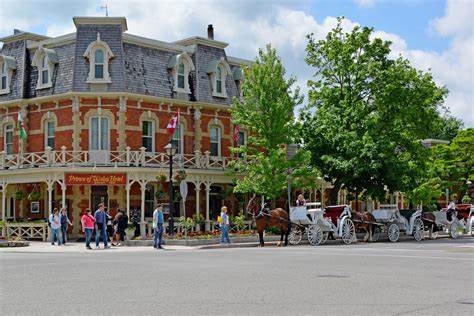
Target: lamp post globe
x: 170, y: 151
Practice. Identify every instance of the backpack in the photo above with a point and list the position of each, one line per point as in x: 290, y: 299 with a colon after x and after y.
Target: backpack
x: 123, y: 222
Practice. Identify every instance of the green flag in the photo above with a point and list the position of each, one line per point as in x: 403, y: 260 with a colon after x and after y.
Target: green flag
x: 21, y: 127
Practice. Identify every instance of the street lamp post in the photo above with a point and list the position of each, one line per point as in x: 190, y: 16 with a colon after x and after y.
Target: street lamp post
x: 171, y: 150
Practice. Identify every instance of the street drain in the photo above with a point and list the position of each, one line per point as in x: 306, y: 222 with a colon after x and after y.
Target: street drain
x: 332, y: 276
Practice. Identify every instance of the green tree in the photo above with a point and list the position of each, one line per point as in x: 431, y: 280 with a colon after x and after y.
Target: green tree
x: 266, y: 110
x: 454, y: 163
x: 367, y: 113
x: 447, y: 127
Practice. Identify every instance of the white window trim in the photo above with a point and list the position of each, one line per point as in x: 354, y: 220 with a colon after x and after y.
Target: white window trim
x: 153, y: 132
x: 181, y: 138
x: 186, y: 60
x: 225, y: 70
x: 46, y: 136
x: 10, y: 64
x: 5, y: 137
x: 99, y: 133
x: 90, y: 54
x: 219, y: 140
x: 51, y: 60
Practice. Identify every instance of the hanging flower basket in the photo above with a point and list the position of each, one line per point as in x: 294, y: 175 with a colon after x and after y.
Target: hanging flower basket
x: 19, y: 195
x: 34, y: 196
x: 161, y: 195
x: 161, y: 178
x: 180, y: 176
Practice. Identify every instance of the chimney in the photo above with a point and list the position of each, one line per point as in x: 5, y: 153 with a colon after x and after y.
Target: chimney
x: 210, y: 32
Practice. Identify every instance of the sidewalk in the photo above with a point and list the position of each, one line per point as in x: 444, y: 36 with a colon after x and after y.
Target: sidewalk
x: 74, y: 247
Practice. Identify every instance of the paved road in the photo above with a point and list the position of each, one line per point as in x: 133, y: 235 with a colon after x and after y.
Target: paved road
x: 405, y: 278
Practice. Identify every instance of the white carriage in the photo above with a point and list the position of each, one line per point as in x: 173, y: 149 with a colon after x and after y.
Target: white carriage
x: 395, y: 221
x: 317, y: 223
x: 459, y: 221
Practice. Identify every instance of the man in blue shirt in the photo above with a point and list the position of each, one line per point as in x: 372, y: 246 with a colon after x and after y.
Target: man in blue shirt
x: 158, y: 221
x: 100, y: 224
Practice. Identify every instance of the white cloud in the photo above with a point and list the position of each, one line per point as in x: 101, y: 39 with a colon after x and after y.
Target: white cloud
x: 365, y: 3
x: 247, y: 26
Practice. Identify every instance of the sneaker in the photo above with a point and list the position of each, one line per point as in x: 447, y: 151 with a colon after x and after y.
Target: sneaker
x: 88, y: 247
x: 52, y: 244
x: 106, y: 247
x: 160, y: 248
x: 97, y: 247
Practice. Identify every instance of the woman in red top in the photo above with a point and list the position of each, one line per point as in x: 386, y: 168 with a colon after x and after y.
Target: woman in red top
x: 88, y: 222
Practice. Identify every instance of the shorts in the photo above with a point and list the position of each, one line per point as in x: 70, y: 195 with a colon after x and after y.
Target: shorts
x: 110, y: 230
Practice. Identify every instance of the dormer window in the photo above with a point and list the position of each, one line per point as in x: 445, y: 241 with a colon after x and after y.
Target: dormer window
x: 44, y: 60
x: 7, y: 65
x: 99, y: 55
x: 218, y: 70
x: 181, y: 65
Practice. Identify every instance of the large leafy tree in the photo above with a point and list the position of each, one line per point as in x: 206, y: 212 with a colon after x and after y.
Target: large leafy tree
x: 266, y: 110
x: 367, y: 113
x: 447, y: 127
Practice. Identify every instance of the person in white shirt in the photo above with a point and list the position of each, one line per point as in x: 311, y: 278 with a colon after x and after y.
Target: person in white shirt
x: 55, y: 225
x: 158, y: 221
x: 225, y: 225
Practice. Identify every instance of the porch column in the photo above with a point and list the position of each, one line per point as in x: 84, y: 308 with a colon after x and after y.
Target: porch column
x: 396, y: 198
x: 143, y: 184
x: 50, y: 184
x: 401, y: 199
x: 63, y: 197
x: 4, y: 205
x: 127, y: 189
x: 197, y: 188
x: 208, y: 189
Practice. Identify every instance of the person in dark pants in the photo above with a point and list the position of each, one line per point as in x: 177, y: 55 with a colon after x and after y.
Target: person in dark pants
x: 64, y: 222
x: 135, y: 220
x: 158, y: 221
x: 100, y: 223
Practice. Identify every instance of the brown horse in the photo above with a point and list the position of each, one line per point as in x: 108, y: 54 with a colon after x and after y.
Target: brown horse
x: 429, y: 223
x: 265, y: 217
x: 364, y: 221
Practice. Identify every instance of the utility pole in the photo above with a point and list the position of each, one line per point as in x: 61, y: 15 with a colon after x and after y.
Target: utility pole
x: 106, y: 10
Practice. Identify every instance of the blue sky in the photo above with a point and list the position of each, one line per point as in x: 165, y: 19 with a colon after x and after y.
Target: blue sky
x: 432, y: 34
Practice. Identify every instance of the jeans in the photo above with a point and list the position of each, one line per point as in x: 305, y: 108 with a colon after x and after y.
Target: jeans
x: 55, y: 234
x: 88, y: 232
x: 64, y: 233
x: 158, y: 236
x: 97, y: 235
x: 225, y: 234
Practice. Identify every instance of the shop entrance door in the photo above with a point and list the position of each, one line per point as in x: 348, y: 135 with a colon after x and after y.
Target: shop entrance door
x: 98, y: 195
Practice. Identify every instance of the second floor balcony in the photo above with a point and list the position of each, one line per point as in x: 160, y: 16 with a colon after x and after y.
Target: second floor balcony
x: 106, y: 158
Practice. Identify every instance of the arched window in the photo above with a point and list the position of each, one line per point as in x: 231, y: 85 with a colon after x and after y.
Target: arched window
x: 49, y: 133
x: 8, y: 139
x: 3, y: 75
x: 181, y: 65
x: 99, y: 55
x: 148, y: 135
x: 99, y: 64
x: 219, y: 80
x: 215, y: 138
x: 44, y: 71
x: 178, y: 139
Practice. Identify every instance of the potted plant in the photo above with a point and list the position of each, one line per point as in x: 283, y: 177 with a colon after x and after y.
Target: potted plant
x: 180, y: 176
x: 466, y: 199
x: 34, y: 196
x: 19, y: 195
x: 130, y: 231
x: 198, y: 221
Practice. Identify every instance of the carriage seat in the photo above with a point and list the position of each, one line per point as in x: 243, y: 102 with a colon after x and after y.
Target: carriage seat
x: 407, y: 213
x: 334, y: 212
x: 463, y: 210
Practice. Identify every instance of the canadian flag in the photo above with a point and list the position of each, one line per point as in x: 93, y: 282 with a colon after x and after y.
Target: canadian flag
x: 173, y: 123
x: 236, y: 133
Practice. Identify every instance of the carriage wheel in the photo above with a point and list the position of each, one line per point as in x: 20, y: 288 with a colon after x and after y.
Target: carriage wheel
x: 348, y: 231
x: 453, y: 230
x: 294, y: 237
x: 315, y: 235
x: 376, y: 234
x: 393, y: 232
x: 418, y: 229
x: 325, y: 238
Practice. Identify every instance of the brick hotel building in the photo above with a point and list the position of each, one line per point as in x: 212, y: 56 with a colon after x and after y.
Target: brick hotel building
x: 95, y: 105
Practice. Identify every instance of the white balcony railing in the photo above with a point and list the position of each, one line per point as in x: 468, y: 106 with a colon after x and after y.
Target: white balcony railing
x: 127, y: 158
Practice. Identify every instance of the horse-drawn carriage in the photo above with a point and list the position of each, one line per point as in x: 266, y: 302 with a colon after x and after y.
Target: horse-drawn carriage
x: 317, y: 223
x: 395, y: 221
x: 454, y: 222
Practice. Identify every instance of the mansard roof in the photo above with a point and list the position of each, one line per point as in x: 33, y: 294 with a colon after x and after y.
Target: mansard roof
x: 140, y: 65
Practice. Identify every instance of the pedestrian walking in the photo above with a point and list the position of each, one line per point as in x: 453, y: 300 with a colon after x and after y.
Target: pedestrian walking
x: 224, y: 225
x: 135, y: 215
x: 64, y: 220
x: 122, y: 226
x: 55, y: 225
x: 100, y: 223
x: 88, y: 222
x: 110, y: 227
x: 158, y: 221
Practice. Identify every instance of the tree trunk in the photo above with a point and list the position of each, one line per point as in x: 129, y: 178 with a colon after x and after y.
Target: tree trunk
x: 334, y: 193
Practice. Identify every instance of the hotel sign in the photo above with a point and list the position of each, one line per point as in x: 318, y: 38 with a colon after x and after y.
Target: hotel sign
x: 95, y: 179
